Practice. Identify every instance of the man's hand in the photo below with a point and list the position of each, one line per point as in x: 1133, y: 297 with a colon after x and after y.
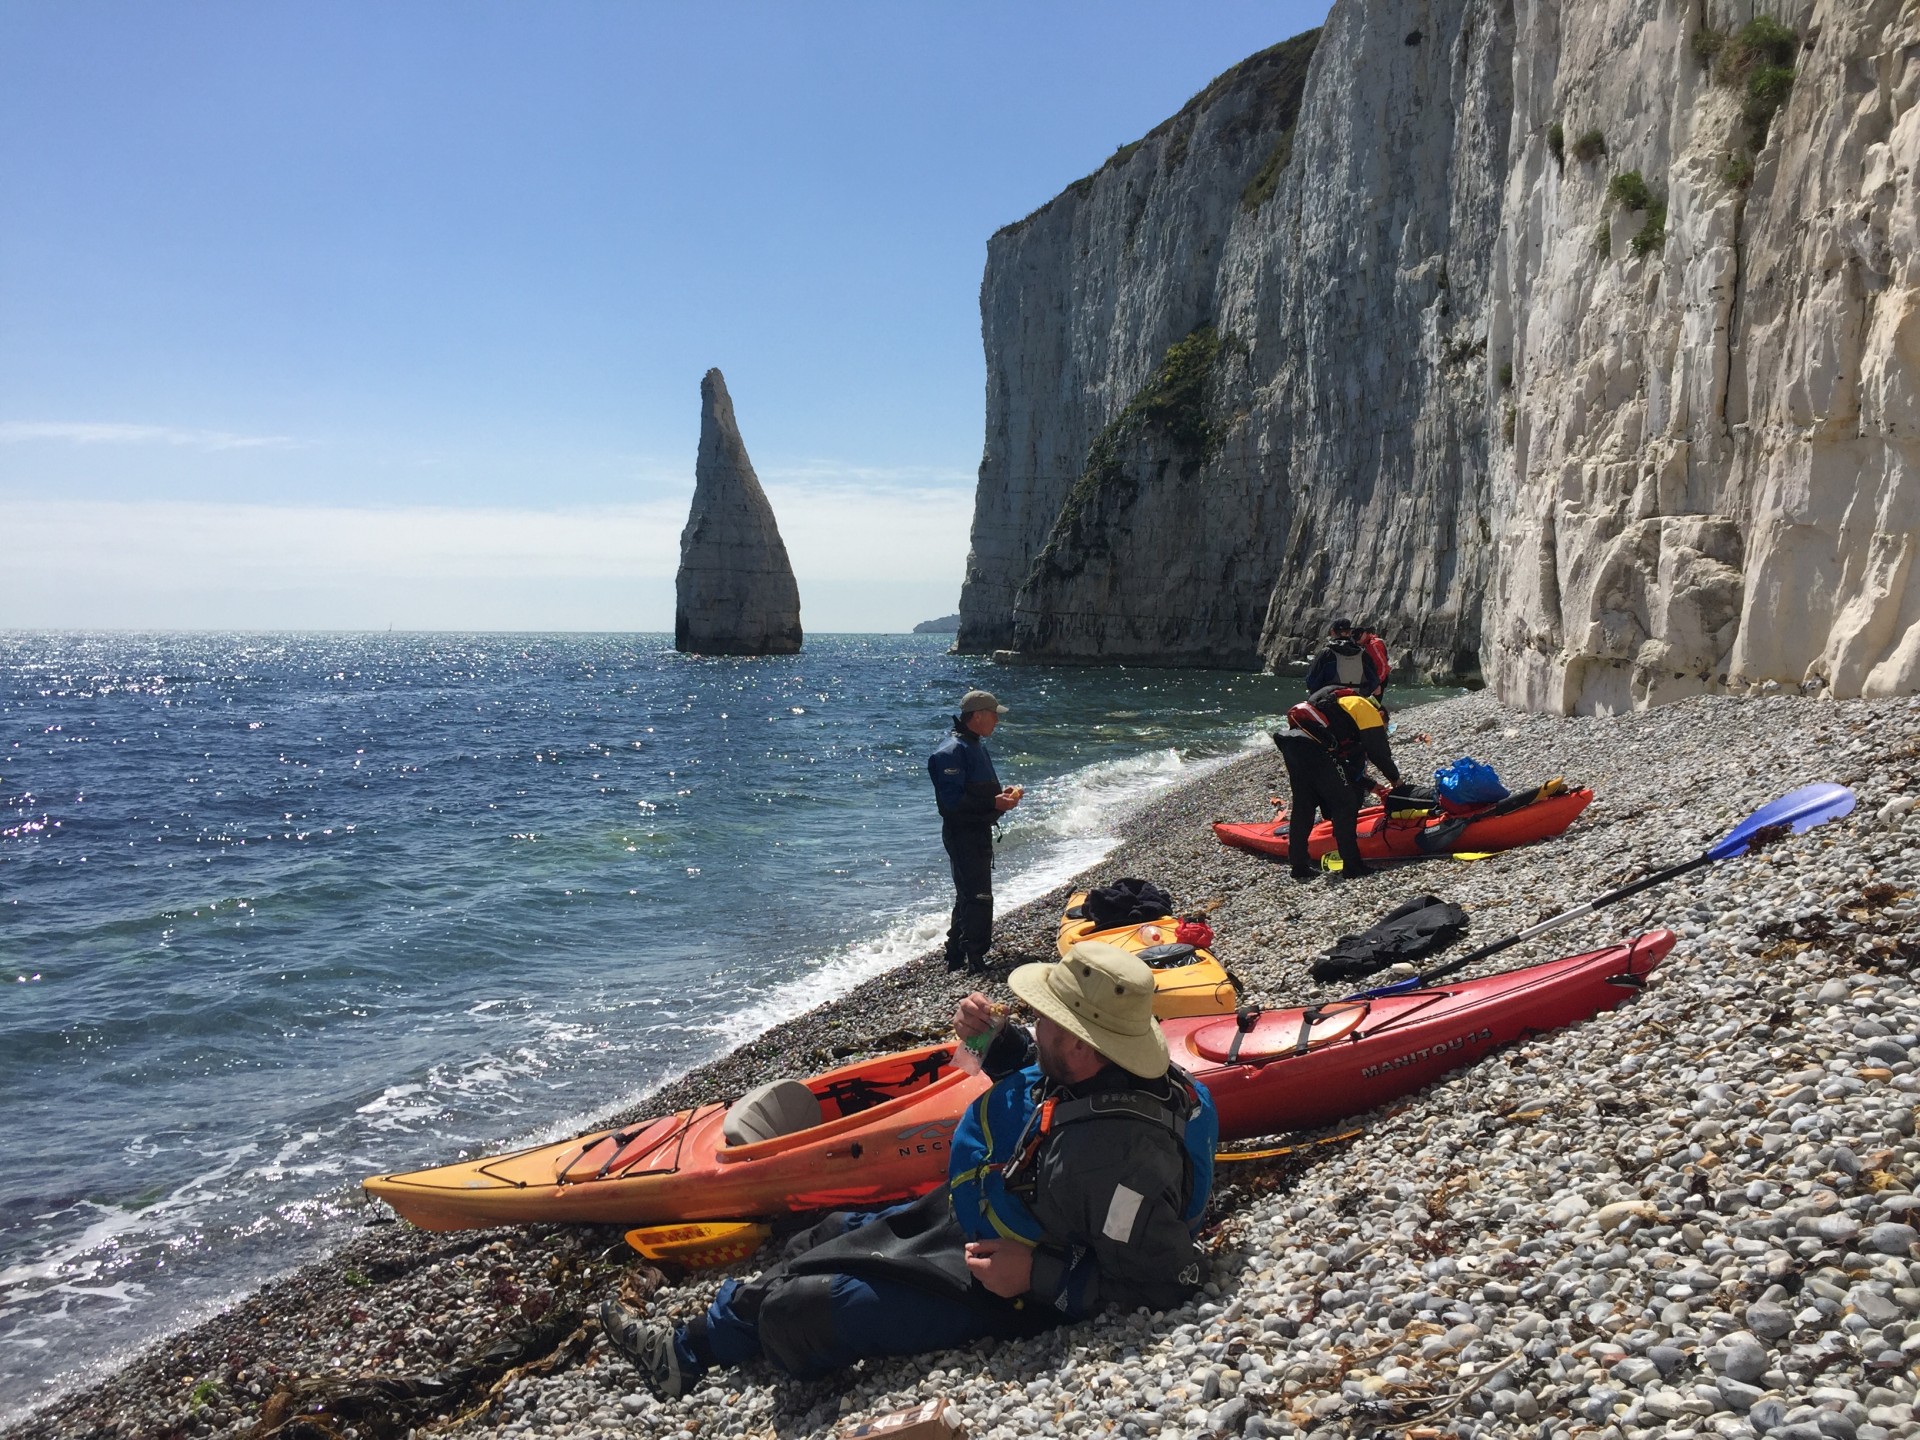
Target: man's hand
x: 1008, y: 798
x: 974, y: 1016
x: 1004, y: 1266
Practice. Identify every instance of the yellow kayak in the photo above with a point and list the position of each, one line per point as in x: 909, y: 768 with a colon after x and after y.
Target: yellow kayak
x: 1186, y: 980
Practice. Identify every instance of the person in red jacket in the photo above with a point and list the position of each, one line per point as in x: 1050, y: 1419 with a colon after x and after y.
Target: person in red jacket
x: 1375, y: 649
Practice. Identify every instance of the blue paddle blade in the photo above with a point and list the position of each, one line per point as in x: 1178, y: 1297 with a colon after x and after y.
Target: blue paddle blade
x: 1398, y: 987
x: 1805, y: 808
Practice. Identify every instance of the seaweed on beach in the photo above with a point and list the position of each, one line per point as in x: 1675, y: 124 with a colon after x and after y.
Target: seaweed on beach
x: 381, y: 1406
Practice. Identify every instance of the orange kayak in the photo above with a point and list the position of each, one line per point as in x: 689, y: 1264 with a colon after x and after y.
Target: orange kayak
x: 1382, y: 837
x: 882, y: 1137
x: 1187, y: 980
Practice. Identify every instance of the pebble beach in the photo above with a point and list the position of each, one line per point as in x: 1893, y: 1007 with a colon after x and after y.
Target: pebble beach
x: 1694, y: 1215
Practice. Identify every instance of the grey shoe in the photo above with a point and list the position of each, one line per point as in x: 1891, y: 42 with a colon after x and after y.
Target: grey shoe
x: 649, y: 1347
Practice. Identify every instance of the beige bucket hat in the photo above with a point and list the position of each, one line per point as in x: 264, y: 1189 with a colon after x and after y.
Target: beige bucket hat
x: 1103, y: 995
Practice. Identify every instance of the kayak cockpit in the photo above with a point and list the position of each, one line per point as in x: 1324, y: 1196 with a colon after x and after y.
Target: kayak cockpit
x: 766, y: 1121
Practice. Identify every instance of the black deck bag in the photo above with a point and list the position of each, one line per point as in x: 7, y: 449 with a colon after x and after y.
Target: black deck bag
x: 1423, y: 926
x: 1126, y: 902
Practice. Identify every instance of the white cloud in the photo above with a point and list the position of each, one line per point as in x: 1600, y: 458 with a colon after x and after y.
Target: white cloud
x: 834, y: 475
x: 137, y: 563
x: 19, y: 432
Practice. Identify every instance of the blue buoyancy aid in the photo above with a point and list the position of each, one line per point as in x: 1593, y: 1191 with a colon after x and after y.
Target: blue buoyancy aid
x: 1004, y: 1128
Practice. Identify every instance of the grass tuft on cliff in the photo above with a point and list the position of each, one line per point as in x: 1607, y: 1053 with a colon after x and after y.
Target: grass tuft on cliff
x: 1762, y: 43
x: 1758, y: 60
x: 1590, y: 146
x: 1652, y: 235
x: 1629, y: 188
x: 1767, y: 90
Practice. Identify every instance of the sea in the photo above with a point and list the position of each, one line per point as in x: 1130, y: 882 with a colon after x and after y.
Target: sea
x: 278, y: 912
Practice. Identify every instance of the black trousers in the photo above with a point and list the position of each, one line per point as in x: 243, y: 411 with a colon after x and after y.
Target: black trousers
x: 970, y: 852
x: 1319, y: 787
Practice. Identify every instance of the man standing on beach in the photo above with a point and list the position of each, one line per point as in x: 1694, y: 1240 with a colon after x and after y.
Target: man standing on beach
x: 1078, y: 1181
x: 971, y: 801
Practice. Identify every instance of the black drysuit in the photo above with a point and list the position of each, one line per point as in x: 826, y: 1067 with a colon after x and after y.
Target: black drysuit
x: 964, y: 787
x: 1327, y: 767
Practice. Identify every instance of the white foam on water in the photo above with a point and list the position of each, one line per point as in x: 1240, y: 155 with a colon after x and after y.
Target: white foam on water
x: 70, y: 1266
x: 1074, y: 819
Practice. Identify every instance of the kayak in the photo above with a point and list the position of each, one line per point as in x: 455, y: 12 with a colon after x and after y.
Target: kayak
x: 886, y: 1122
x: 1187, y: 979
x: 1383, y: 837
x: 882, y: 1137
x: 1296, y: 1069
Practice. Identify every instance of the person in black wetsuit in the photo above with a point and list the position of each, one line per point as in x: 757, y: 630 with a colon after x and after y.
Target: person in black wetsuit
x: 971, y: 800
x: 1329, y: 740
x: 1078, y: 1181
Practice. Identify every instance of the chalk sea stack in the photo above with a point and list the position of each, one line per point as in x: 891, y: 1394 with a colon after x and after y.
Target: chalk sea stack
x: 735, y: 593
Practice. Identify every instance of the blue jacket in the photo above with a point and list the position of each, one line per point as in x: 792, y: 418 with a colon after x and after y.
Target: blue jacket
x: 964, y: 783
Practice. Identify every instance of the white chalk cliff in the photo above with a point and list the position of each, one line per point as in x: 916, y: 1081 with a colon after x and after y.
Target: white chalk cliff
x: 1345, y: 335
x: 735, y: 593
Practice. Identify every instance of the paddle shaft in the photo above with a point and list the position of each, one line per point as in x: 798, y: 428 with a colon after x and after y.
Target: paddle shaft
x: 1565, y: 917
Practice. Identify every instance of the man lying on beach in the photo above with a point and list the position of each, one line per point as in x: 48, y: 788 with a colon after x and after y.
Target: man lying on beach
x: 1078, y: 1181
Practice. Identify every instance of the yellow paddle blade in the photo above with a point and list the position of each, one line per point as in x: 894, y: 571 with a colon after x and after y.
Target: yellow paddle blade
x: 700, y: 1247
x: 1227, y: 1157
x: 1473, y: 854
x: 1331, y: 861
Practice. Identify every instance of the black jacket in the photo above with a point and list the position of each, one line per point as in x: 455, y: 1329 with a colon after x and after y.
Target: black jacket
x: 964, y: 782
x: 1343, y: 662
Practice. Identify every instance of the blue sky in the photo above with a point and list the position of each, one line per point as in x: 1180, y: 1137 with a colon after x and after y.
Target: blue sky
x: 357, y: 315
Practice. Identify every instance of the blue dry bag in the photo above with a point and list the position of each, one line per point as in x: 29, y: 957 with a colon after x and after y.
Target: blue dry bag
x: 1467, y: 782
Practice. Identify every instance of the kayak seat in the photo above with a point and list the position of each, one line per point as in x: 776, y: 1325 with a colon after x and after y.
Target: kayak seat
x: 1165, y: 957
x: 780, y: 1107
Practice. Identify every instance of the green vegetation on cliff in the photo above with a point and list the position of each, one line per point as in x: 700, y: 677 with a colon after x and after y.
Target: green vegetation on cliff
x: 1269, y: 87
x: 1174, y: 406
x: 1757, y: 59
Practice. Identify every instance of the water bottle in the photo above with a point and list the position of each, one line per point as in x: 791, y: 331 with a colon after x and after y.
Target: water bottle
x: 970, y: 1052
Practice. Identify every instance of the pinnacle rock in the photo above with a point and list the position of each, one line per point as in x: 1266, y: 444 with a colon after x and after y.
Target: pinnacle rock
x: 735, y: 591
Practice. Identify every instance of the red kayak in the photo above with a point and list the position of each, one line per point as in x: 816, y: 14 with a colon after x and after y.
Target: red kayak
x: 884, y: 1123
x: 1385, y: 838
x: 1296, y: 1069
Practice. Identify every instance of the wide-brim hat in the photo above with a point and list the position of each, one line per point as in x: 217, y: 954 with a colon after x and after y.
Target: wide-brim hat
x: 1104, y: 996
x: 980, y: 700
